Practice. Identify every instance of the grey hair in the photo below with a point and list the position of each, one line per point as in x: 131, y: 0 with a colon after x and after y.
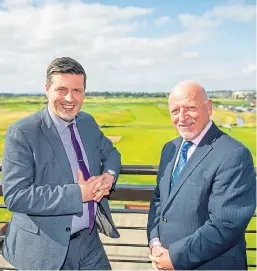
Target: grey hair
x: 64, y: 65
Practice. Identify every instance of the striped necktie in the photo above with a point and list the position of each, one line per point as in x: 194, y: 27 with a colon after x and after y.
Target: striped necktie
x: 181, y: 162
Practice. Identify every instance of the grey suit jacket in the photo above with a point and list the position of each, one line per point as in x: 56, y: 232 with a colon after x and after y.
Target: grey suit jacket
x: 203, y: 219
x: 39, y: 189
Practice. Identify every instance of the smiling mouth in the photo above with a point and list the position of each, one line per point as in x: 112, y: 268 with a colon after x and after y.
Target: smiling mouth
x: 68, y: 107
x: 185, y: 125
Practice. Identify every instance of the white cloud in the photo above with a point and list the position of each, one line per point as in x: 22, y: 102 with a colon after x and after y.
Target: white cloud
x: 162, y: 20
x: 12, y: 4
x: 250, y: 69
x: 237, y: 12
x: 190, y: 54
x: 104, y: 39
x: 197, y: 21
x: 134, y: 62
x: 213, y: 18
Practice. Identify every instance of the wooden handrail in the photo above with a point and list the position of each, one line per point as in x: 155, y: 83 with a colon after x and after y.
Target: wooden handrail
x: 129, y: 193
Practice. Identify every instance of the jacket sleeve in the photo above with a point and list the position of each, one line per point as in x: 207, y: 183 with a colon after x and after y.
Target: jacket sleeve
x: 20, y: 192
x: 231, y: 206
x: 110, y: 157
x: 155, y: 205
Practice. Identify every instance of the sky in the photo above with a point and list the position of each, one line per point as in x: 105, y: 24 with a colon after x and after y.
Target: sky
x: 130, y: 45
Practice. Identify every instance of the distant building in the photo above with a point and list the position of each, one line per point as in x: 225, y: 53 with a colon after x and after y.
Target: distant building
x: 239, y: 94
x: 244, y: 95
x: 220, y: 94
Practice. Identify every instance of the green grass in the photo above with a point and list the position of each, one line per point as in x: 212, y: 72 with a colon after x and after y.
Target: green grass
x: 144, y: 128
x: 247, y: 136
x: 222, y: 116
x: 231, y: 102
x: 145, y: 120
x: 146, y: 114
x: 251, y: 242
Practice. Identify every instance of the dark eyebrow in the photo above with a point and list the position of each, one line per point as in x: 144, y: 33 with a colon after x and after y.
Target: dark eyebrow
x: 81, y: 89
x: 61, y: 87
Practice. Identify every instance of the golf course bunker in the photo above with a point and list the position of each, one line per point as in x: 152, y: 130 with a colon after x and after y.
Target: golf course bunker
x: 114, y: 139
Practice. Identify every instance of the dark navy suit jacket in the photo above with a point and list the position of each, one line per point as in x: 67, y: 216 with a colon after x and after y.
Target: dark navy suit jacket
x: 203, y: 219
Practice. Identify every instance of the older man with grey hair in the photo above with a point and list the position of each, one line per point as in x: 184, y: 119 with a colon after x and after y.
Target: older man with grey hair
x: 205, y: 194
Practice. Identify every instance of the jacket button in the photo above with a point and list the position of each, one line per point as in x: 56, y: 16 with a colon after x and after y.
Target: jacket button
x: 68, y: 229
x: 164, y: 220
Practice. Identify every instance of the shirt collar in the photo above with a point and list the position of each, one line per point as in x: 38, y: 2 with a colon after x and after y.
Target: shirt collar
x: 197, y: 140
x: 59, y: 123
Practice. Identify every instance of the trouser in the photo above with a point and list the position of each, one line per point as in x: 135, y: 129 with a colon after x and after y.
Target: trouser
x: 86, y: 252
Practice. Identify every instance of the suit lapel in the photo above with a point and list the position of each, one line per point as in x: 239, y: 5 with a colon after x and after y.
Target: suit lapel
x: 85, y: 138
x: 56, y: 143
x: 195, y: 159
x: 168, y: 170
x: 201, y: 151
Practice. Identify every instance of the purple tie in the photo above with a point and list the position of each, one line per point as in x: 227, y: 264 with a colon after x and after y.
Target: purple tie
x: 85, y: 173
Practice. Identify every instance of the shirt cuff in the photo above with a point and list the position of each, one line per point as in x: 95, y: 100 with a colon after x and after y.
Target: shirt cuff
x: 154, y: 242
x: 113, y: 173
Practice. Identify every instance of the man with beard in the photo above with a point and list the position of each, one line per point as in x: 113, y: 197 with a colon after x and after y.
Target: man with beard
x: 205, y: 194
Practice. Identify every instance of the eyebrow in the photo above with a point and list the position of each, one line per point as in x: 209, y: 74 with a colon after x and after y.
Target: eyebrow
x: 67, y: 88
x: 61, y: 87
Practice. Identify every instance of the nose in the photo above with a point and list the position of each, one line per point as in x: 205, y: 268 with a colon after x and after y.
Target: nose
x: 69, y: 97
x: 182, y: 114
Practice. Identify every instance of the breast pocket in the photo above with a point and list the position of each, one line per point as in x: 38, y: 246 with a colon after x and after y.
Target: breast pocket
x: 195, y: 181
x: 191, y: 191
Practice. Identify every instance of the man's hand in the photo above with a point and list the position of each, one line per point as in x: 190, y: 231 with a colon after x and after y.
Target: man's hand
x: 156, y: 252
x: 101, y: 191
x: 108, y: 179
x: 163, y: 262
x: 93, y: 188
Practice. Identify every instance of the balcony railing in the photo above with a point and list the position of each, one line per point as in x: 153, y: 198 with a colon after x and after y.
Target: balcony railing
x: 133, y: 193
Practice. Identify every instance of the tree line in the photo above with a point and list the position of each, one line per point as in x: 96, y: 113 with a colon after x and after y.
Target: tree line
x: 95, y: 93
